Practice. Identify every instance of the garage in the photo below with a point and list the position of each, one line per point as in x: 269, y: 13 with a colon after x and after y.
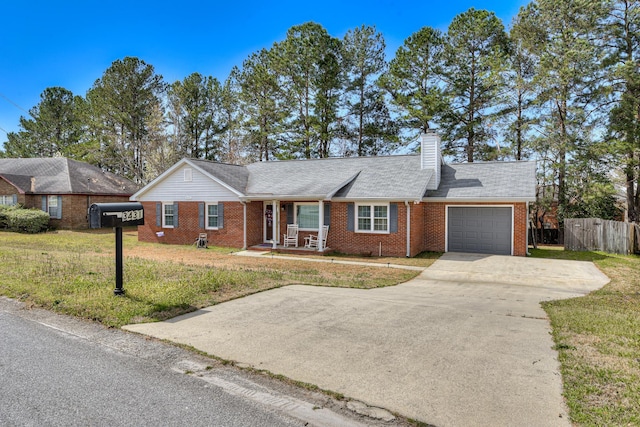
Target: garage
x: 480, y: 229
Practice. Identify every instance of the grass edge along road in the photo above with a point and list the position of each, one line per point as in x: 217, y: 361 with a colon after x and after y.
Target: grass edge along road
x: 597, y: 337
x: 74, y: 273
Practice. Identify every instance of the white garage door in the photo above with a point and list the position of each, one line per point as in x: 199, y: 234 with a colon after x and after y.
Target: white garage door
x: 485, y: 230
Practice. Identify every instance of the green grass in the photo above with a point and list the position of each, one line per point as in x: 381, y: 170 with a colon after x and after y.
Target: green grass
x: 598, y: 339
x: 74, y: 273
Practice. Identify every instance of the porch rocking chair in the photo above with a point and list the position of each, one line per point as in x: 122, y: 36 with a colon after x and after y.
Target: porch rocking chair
x: 291, y: 238
x: 313, y: 241
x: 202, y: 241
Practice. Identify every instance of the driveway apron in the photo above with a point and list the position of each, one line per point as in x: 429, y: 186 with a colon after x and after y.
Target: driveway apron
x: 465, y: 343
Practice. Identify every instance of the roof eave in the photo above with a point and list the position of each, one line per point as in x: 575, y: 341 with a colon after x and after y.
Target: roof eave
x: 480, y: 199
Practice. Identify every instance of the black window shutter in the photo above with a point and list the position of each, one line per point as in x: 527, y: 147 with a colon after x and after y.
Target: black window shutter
x: 289, y: 207
x: 158, y: 214
x: 327, y: 214
x: 393, y: 218
x: 175, y: 215
x: 201, y: 215
x: 220, y: 215
x: 350, y: 217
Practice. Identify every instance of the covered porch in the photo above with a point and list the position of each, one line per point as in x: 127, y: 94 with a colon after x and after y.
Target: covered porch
x: 307, y: 220
x: 281, y: 249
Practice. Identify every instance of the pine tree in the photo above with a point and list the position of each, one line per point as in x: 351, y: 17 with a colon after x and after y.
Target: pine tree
x: 121, y: 105
x: 475, y: 58
x: 367, y: 124
x: 56, y: 128
x: 414, y: 83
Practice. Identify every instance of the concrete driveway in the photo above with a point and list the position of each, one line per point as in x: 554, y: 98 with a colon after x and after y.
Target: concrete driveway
x: 464, y: 344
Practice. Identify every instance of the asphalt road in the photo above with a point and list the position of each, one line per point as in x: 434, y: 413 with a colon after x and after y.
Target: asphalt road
x: 58, y: 371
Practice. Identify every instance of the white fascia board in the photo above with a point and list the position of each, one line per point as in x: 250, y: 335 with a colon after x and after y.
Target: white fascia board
x: 375, y: 199
x: 285, y: 197
x: 478, y: 200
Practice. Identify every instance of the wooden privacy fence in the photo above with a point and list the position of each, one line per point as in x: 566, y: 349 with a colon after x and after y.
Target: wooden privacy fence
x: 594, y: 234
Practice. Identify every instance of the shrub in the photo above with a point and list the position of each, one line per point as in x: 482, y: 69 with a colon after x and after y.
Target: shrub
x: 16, y: 218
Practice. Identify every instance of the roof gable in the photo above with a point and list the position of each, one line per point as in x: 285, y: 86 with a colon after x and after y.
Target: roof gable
x: 228, y: 179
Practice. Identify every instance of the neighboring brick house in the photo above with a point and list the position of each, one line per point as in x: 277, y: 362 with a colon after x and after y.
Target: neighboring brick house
x: 387, y: 205
x: 62, y: 187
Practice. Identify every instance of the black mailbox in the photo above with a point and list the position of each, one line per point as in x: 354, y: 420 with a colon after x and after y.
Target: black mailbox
x: 103, y: 215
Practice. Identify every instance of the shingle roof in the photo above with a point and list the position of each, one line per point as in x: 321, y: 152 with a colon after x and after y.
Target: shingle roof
x: 487, y: 180
x: 60, y: 175
x: 389, y: 177
x: 384, y: 177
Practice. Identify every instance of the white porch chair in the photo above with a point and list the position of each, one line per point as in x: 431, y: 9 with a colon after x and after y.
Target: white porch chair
x: 313, y: 241
x: 202, y: 242
x: 291, y: 238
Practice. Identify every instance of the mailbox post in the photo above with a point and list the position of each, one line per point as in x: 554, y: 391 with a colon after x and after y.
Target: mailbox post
x: 116, y: 215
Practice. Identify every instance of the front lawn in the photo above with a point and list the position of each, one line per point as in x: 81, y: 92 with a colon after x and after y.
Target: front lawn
x: 74, y: 273
x: 598, y: 340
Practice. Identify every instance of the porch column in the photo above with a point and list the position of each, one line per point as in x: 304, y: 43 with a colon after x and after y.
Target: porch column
x: 275, y: 208
x: 320, y: 224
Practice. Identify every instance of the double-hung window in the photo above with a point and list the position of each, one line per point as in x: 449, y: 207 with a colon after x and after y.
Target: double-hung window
x: 168, y: 215
x: 8, y: 200
x: 53, y: 206
x: 373, y: 218
x: 212, y: 216
x: 307, y: 216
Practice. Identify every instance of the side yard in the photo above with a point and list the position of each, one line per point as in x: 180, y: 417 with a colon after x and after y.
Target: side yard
x: 74, y: 273
x: 598, y: 340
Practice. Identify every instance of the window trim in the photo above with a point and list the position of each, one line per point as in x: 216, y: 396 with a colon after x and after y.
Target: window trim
x: 8, y: 197
x: 164, y: 215
x: 206, y: 216
x: 295, y: 214
x: 372, y: 217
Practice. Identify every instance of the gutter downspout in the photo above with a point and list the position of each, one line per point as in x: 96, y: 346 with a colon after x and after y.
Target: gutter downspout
x: 526, y: 241
x: 321, y: 225
x: 244, y: 221
x: 406, y: 204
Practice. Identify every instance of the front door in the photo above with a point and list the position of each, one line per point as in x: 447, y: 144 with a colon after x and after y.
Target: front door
x: 271, y: 222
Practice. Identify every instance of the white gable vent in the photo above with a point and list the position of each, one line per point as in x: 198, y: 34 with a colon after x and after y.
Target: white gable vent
x: 188, y: 174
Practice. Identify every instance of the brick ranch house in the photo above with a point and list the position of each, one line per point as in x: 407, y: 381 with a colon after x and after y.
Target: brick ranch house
x: 387, y: 205
x: 62, y: 187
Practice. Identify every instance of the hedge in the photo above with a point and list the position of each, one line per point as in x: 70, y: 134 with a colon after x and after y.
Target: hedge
x: 16, y: 218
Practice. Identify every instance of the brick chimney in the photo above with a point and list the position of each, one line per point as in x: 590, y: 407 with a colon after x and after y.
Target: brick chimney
x: 431, y: 157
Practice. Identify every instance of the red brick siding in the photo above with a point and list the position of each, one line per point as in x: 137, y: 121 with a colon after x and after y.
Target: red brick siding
x: 231, y: 235
x: 427, y: 228
x: 350, y: 242
x: 435, y: 225
x: 74, y: 207
x: 7, y: 189
x: 255, y: 223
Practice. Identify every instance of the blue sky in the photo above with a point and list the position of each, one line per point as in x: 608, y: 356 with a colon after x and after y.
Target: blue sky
x: 65, y: 43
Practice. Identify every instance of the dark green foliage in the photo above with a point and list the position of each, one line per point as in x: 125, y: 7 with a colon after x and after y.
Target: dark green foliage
x: 475, y: 57
x: 367, y: 125
x: 56, y: 127
x: 122, y: 106
x: 18, y: 219
x: 414, y: 80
